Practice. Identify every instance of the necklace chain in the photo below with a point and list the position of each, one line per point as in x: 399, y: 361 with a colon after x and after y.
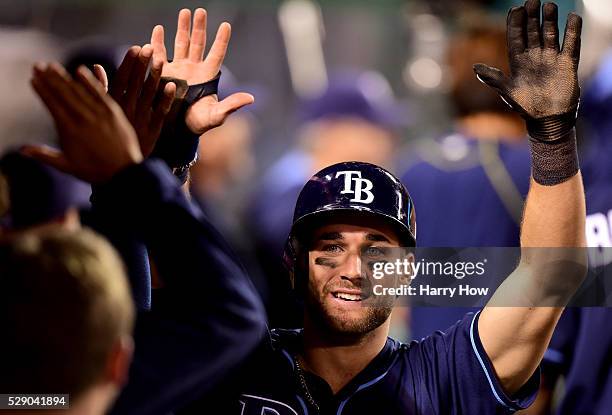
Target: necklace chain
x: 304, y: 386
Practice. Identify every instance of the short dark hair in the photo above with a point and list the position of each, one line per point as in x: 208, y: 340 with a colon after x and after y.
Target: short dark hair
x: 64, y: 304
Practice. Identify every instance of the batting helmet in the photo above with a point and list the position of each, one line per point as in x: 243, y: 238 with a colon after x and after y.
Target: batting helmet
x: 350, y: 189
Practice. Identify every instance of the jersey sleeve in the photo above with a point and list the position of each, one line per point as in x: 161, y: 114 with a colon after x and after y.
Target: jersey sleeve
x: 454, y: 375
x: 206, y: 319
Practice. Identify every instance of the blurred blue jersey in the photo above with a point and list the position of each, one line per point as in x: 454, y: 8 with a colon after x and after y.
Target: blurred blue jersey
x: 467, y: 193
x: 581, y: 347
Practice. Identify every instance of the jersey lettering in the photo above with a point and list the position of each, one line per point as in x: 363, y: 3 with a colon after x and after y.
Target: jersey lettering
x: 599, y: 235
x: 256, y: 405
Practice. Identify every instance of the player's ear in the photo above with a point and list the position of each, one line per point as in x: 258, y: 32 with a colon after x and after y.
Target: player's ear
x: 118, y: 362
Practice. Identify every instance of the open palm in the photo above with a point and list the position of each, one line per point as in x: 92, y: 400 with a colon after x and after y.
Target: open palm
x: 189, y: 64
x: 543, y: 77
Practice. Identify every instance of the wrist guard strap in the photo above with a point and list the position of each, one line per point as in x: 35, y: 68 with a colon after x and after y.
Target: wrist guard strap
x: 551, y: 128
x: 556, y: 161
x: 177, y: 144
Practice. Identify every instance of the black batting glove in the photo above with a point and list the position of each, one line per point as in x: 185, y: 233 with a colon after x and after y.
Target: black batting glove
x: 542, y: 86
x: 543, y: 82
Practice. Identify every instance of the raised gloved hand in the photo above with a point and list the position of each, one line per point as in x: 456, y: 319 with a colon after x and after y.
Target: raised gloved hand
x: 542, y: 85
x: 543, y: 81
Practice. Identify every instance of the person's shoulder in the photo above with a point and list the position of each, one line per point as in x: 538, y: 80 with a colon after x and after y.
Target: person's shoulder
x: 441, y: 341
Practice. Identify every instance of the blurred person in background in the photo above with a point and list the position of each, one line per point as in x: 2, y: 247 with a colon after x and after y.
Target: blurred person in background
x: 219, y: 182
x: 67, y: 311
x: 476, y: 175
x: 226, y: 163
x: 21, y: 115
x: 355, y: 119
x: 39, y: 196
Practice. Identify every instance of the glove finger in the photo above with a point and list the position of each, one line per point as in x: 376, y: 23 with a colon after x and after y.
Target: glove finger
x: 571, y: 40
x: 517, y: 19
x: 532, y: 7
x: 491, y: 76
x: 550, y: 28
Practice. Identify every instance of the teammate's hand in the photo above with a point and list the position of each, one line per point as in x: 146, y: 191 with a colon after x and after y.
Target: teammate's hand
x: 96, y: 139
x: 188, y: 64
x: 543, y: 79
x: 145, y: 107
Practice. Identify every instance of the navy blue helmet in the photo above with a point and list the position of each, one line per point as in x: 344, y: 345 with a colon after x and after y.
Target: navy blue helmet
x: 350, y: 189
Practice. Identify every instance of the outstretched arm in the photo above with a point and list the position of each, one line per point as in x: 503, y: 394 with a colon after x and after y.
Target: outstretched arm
x: 210, y: 316
x: 516, y: 326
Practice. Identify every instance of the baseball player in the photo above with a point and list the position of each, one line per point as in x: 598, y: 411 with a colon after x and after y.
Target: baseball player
x: 342, y: 361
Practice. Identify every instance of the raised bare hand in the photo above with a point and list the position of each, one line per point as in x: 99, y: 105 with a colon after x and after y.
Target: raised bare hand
x: 189, y: 64
x: 96, y: 139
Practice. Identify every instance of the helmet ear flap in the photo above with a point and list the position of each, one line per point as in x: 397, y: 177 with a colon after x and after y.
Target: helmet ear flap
x: 300, y: 274
x: 296, y: 263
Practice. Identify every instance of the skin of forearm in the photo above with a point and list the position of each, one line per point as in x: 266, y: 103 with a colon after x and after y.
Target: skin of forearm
x: 555, y: 215
x: 552, y: 238
x: 552, y: 267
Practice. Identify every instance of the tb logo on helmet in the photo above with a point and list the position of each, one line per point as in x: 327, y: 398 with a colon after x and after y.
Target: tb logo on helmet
x: 362, y: 186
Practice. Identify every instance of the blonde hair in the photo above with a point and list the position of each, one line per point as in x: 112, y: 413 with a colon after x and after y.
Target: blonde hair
x: 66, y: 301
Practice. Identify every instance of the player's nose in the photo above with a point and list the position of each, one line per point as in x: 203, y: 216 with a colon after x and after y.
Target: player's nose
x: 351, y: 268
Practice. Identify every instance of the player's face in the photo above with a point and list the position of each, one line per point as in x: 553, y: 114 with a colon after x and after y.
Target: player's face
x: 336, y: 285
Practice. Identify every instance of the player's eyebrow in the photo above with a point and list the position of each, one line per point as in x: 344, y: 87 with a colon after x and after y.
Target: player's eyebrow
x: 330, y: 236
x: 376, y: 237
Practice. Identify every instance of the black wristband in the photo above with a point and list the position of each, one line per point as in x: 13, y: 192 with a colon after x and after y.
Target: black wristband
x: 177, y: 144
x: 552, y: 128
x: 198, y: 91
x: 554, y: 162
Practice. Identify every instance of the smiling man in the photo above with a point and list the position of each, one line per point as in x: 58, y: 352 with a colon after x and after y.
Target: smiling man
x: 342, y: 361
